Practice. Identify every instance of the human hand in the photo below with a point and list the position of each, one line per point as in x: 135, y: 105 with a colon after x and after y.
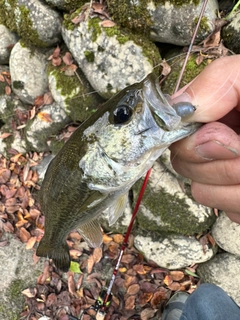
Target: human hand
x: 211, y: 156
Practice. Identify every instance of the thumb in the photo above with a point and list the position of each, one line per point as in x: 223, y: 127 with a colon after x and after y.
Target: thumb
x: 213, y: 141
x: 216, y: 90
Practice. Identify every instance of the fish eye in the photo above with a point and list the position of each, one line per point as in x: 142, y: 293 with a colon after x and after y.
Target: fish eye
x: 122, y: 114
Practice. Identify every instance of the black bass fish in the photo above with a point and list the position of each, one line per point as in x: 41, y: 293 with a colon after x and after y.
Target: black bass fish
x: 101, y: 161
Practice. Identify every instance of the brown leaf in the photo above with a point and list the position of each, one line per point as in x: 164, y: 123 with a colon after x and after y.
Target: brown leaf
x: 38, y: 102
x: 67, y: 58
x: 51, y: 299
x: 130, y: 280
x: 127, y: 258
x: 44, y: 116
x: 2, y: 79
x: 56, y: 52
x: 118, y: 238
x: 159, y: 296
x: 176, y: 275
x: 24, y: 235
x: 5, y: 175
x: 56, y: 61
x: 90, y: 263
x: 30, y: 292
x: 31, y: 242
x: 130, y: 303
x: 8, y: 90
x: 97, y: 254
x: 144, y: 298
x: 11, y: 205
x: 147, y: 313
x: 5, y: 135
x: 71, y: 283
x: 139, y: 268
x: 106, y: 238
x: 133, y: 289
x: 175, y: 286
x: 8, y: 227
x: 166, y: 69
x: 47, y: 98
x: 107, y: 24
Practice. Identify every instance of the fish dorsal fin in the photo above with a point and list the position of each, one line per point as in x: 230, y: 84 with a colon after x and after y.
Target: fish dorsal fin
x: 116, y: 210
x: 91, y: 233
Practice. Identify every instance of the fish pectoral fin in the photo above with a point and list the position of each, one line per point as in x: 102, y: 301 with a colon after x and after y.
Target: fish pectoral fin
x: 59, y: 254
x: 116, y: 210
x: 91, y: 233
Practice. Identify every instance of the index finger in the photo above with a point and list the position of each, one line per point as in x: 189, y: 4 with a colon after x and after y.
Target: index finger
x: 216, y: 91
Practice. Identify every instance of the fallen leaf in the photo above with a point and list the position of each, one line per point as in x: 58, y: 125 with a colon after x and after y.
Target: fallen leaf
x: 127, y: 258
x: 144, y: 298
x: 147, y: 313
x: 30, y: 292
x: 106, y: 238
x: 97, y: 254
x: 176, y: 275
x: 133, y: 289
x: 107, y: 24
x: 24, y: 235
x: 118, y: 238
x: 38, y: 102
x: 130, y: 303
x: 75, y: 267
x: 175, y: 286
x: 67, y: 58
x: 8, y: 90
x: 44, y: 116
x: 5, y: 175
x: 90, y: 263
x: 71, y: 283
x: 159, y: 296
x: 47, y: 98
x: 31, y: 242
x: 5, y: 135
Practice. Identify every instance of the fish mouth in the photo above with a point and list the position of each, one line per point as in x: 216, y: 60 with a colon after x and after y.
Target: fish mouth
x: 163, y: 113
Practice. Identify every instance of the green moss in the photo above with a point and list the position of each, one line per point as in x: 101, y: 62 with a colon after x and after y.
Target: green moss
x: 231, y: 38
x: 17, y: 19
x: 191, y: 71
x: 140, y: 18
x: 79, y: 98
x: 94, y: 27
x: 89, y: 55
x: 170, y: 209
x: 18, y: 85
x: 204, y: 25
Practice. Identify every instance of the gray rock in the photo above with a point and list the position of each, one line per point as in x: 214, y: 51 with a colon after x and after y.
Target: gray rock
x: 231, y: 33
x: 227, y: 234
x: 175, y: 23
x: 173, y: 252
x: 18, y: 272
x: 28, y: 72
x: 7, y: 40
x: 166, y: 208
x: 73, y: 93
x: 109, y: 58
x: 39, y: 131
x: 32, y: 20
x: 222, y: 270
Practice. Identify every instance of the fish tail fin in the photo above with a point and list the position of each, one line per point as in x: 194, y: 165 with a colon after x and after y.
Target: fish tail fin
x: 59, y: 254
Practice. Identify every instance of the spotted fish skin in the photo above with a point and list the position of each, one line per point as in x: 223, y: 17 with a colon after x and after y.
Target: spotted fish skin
x: 101, y: 161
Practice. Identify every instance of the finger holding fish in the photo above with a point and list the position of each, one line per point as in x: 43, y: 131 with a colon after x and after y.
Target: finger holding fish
x: 210, y: 157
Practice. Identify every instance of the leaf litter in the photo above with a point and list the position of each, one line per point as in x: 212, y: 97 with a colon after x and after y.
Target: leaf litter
x: 141, y: 288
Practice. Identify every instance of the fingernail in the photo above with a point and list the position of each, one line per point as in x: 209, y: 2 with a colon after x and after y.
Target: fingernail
x: 215, y: 150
